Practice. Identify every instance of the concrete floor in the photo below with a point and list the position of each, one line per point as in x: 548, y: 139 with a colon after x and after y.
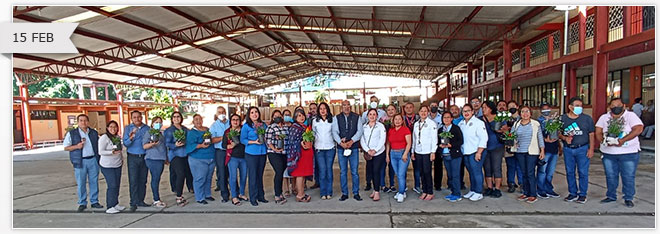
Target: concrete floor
x: 44, y: 196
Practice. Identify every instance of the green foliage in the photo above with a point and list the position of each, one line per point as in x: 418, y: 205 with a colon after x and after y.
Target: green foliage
x: 553, y: 125
x: 507, y: 136
x: 206, y: 135
x: 180, y: 135
x: 615, y: 126
x: 154, y: 132
x: 233, y: 133
x: 502, y: 116
x: 308, y: 135
x: 282, y: 136
x: 320, y: 96
x: 155, y: 95
x: 446, y: 135
x: 51, y: 88
x: 116, y: 140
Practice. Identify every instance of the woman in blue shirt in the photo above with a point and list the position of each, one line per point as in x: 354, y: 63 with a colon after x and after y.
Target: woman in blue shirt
x: 156, y: 156
x: 176, y: 154
x: 255, y: 154
x: 494, y: 152
x: 201, y: 158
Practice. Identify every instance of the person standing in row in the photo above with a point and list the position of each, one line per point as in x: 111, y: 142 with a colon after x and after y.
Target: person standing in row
x: 287, y: 186
x: 410, y: 119
x: 201, y: 158
x: 255, y: 154
x: 217, y: 133
x: 387, y: 122
x: 494, y: 152
x: 82, y: 144
x: 513, y: 168
x: 579, y: 143
x: 369, y: 167
x: 111, y: 162
x: 178, y: 157
x: 528, y: 148
x: 156, y: 157
x: 452, y: 155
x: 436, y: 116
x: 475, y: 139
x: 275, y: 139
x: 324, y: 147
x: 547, y: 170
x: 425, y: 143
x: 620, y: 158
x: 300, y: 157
x: 237, y: 165
x: 399, y: 143
x: 313, y: 111
x: 476, y: 106
x: 373, y: 144
x: 347, y: 131
x: 137, y: 168
x: 457, y: 116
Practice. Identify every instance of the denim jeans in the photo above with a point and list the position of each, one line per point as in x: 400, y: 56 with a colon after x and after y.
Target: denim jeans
x: 256, y: 165
x: 545, y: 173
x: 344, y: 162
x: 400, y: 168
x: 528, y: 165
x: 390, y: 172
x: 137, y: 178
x: 89, y: 171
x: 325, y: 160
x: 317, y: 176
x: 202, y: 171
x: 624, y: 165
x: 512, y: 170
x: 156, y: 170
x: 453, y: 166
x: 221, y: 173
x: 577, y: 158
x: 476, y: 173
x: 241, y: 165
x: 113, y: 181
x: 648, y: 131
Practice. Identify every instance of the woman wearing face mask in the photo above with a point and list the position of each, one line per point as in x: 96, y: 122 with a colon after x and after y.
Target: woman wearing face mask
x: 156, y: 158
x: 494, y: 152
x: 528, y: 148
x: 324, y: 146
x: 237, y: 165
x: 110, y: 162
x: 425, y: 143
x: 300, y: 157
x: 452, y: 156
x: 513, y: 168
x: 276, y: 153
x: 373, y: 144
x: 546, y: 172
x: 287, y: 186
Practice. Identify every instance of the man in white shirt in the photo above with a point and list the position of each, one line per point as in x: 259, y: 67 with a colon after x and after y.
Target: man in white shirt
x: 638, y: 107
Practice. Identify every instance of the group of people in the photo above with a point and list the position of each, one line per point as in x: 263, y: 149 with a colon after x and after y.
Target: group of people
x: 302, y: 147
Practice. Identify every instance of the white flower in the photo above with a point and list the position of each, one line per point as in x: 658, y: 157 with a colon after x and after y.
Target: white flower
x: 509, y: 114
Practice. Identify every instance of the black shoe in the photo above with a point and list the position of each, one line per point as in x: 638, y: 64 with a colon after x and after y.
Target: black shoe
x: 217, y: 189
x: 143, y: 204
x: 582, y: 199
x: 385, y: 189
x: 210, y: 198
x: 438, y: 189
x: 81, y: 208
x: 553, y: 194
x: 511, y: 189
x: 97, y: 205
x: 463, y: 187
x: 543, y: 195
x: 203, y: 202
x: 607, y: 200
x: 254, y: 203
x: 262, y: 200
x: 570, y: 198
x: 629, y: 203
x: 496, y: 193
x: 367, y: 188
x: 225, y: 200
x: 357, y: 197
x: 343, y: 197
x: 315, y: 185
x: 133, y: 208
x: 488, y: 192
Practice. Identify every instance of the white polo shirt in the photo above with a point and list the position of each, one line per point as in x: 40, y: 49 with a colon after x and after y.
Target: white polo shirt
x: 425, y: 136
x: 474, y: 135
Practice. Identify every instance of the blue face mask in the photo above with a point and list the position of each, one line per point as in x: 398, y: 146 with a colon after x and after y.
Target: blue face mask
x: 577, y: 110
x: 157, y: 126
x: 288, y: 119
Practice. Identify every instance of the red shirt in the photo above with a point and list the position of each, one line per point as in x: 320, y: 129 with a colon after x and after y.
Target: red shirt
x: 397, y: 138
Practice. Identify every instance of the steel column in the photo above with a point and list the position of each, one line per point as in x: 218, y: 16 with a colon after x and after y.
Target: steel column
x: 600, y: 62
x: 25, y: 114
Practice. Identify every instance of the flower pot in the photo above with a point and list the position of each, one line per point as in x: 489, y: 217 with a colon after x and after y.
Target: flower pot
x: 280, y: 144
x: 444, y: 141
x: 235, y: 139
x: 308, y: 144
x: 207, y: 141
x: 508, y: 142
x: 261, y: 139
x: 611, y: 139
x: 116, y: 147
x: 154, y: 138
x: 553, y: 135
x: 498, y: 126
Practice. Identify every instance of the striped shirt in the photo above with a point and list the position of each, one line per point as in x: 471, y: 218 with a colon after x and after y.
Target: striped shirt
x: 524, y: 132
x: 273, y: 135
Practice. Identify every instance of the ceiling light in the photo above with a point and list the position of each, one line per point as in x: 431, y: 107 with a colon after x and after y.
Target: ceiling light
x: 143, y: 58
x: 89, y: 14
x: 209, y: 40
x: 181, y: 47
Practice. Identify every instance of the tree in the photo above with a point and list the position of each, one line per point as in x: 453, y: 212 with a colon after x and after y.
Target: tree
x: 320, y: 96
x: 51, y: 88
x: 157, y: 96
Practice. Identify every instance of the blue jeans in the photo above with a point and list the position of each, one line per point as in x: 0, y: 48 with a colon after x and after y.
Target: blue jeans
x: 624, y: 165
x: 233, y: 165
x: 202, y: 171
x: 256, y: 165
x: 137, y: 179
x: 476, y: 173
x: 544, y: 174
x: 317, y: 176
x: 343, y: 167
x: 221, y: 173
x: 528, y: 165
x: 89, y: 171
x: 400, y: 168
x: 156, y: 170
x: 513, y: 170
x: 417, y: 174
x: 453, y: 167
x: 325, y: 160
x: 113, y: 181
x: 577, y: 158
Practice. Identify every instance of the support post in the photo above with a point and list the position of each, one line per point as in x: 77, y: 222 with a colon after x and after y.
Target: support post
x: 600, y: 62
x: 507, y: 70
x: 120, y: 110
x: 447, y: 91
x: 582, y: 26
x: 25, y: 114
x: 469, y: 83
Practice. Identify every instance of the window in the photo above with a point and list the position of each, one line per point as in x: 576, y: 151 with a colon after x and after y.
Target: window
x: 648, y: 17
x: 495, y: 97
x: 584, y: 89
x: 613, y: 85
x: 648, y: 83
x: 535, y: 95
x: 43, y: 115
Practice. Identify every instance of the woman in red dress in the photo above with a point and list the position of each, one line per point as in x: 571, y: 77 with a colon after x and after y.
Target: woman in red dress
x: 300, y: 155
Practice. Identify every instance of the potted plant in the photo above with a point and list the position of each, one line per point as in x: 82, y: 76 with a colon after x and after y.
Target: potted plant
x: 500, y: 118
x: 261, y: 132
x: 116, y: 142
x: 154, y: 135
x: 445, y: 137
x: 234, y: 136
x: 308, y: 137
x: 180, y: 135
x: 552, y: 128
x: 614, y: 131
x: 69, y: 128
x: 509, y: 138
x: 280, y: 141
x: 207, y: 137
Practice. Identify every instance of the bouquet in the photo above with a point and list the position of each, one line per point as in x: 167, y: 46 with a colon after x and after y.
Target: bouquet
x: 154, y: 135
x: 261, y: 132
x: 509, y: 138
x: 308, y: 137
x: 180, y: 135
x: 444, y: 137
x: 552, y: 127
x: 500, y: 118
x: 614, y: 131
x: 116, y: 142
x: 207, y: 137
x: 280, y: 141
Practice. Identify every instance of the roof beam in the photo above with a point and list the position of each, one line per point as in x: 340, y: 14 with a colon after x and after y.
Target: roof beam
x: 312, y: 39
x: 341, y: 36
x: 27, y: 9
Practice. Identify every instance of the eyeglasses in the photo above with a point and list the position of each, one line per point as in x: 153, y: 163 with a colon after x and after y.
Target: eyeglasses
x: 476, y: 102
x: 524, y: 111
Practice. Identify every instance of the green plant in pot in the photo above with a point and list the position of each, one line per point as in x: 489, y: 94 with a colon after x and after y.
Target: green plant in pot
x: 552, y: 128
x: 154, y: 135
x: 614, y: 131
x: 308, y: 137
x: 180, y: 136
x: 261, y: 132
x: 280, y: 141
x: 234, y: 136
x: 207, y: 137
x: 445, y: 137
x: 116, y: 142
x: 509, y: 138
x: 500, y: 119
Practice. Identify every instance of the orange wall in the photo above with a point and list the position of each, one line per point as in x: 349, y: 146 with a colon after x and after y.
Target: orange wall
x: 64, y: 122
x: 43, y: 130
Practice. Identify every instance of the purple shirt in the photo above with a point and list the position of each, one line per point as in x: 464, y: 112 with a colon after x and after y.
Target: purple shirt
x: 631, y: 146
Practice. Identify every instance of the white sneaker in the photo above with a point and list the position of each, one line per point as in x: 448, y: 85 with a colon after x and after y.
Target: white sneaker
x: 400, y: 199
x: 112, y: 210
x: 397, y: 196
x: 476, y: 197
x: 404, y: 195
x: 468, y: 195
x: 120, y: 208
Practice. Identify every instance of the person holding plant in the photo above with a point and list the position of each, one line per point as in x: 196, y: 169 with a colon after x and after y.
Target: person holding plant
x: 324, y: 146
x: 513, y: 168
x: 253, y: 137
x: 425, y: 144
x: 156, y: 158
x: 137, y: 168
x: 287, y: 186
x: 579, y: 143
x: 451, y: 139
x: 201, y: 158
x: 494, y: 152
x: 111, y: 161
x: 550, y: 124
x: 387, y: 122
x: 528, y: 148
x: 620, y: 151
x: 275, y: 136
x: 475, y: 139
x: 237, y: 166
x: 373, y: 144
x: 300, y: 154
x: 217, y: 133
x: 175, y: 140
x: 399, y: 142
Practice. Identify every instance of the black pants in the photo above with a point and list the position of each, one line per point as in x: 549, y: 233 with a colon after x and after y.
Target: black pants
x: 462, y: 172
x: 222, y: 173
x: 178, y: 167
x: 369, y: 173
x: 377, y: 162
x: 278, y: 162
x: 437, y: 170
x: 424, y: 164
x: 187, y: 174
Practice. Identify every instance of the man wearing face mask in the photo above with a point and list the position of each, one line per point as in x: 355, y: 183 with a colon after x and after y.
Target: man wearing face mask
x: 621, y: 158
x: 435, y: 114
x: 369, y: 166
x: 546, y: 172
x: 217, y: 132
x: 579, y: 143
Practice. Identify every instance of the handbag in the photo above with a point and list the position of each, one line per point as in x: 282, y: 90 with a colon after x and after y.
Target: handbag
x: 366, y: 154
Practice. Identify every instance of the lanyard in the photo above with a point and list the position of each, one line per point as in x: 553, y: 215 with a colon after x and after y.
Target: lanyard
x: 419, y: 133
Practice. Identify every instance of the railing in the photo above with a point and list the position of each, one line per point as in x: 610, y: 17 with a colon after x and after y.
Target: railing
x: 589, y: 34
x: 515, y: 60
x: 538, y: 52
x: 574, y: 37
x: 490, y: 71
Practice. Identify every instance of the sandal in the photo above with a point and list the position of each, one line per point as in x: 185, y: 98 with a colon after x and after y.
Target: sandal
x: 423, y: 196
x: 236, y: 201
x: 429, y: 197
x: 181, y: 202
x: 243, y: 198
x: 280, y: 200
x: 305, y: 198
x: 159, y: 204
x: 376, y: 196
x: 287, y: 193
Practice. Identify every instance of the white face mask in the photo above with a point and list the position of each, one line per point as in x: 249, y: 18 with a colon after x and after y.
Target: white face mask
x: 222, y: 117
x: 373, y: 105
